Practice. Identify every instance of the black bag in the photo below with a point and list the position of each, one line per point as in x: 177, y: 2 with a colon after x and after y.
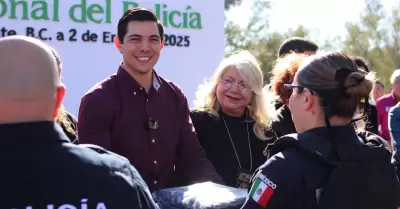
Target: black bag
x: 362, y: 178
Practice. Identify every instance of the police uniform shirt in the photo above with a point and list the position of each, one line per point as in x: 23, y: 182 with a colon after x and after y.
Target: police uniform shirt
x: 42, y: 169
x: 293, y: 180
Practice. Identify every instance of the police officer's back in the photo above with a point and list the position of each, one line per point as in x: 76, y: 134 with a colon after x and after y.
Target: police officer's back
x: 39, y: 167
x: 303, y: 170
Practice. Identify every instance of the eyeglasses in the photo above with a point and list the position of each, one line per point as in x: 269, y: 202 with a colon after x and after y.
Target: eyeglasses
x: 301, y: 88
x: 228, y: 83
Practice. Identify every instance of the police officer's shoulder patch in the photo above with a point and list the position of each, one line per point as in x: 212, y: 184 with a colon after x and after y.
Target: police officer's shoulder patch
x: 262, y: 189
x: 273, y: 183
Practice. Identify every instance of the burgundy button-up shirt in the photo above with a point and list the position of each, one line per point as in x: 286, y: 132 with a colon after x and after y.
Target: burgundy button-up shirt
x: 115, y: 114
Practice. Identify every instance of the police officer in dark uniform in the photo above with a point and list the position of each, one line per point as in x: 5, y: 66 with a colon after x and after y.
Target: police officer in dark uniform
x: 327, y: 91
x: 40, y: 168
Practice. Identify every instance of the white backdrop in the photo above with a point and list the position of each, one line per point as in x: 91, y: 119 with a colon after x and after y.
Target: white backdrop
x: 86, y: 63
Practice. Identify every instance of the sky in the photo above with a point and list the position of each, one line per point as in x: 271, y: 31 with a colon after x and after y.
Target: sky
x: 326, y: 18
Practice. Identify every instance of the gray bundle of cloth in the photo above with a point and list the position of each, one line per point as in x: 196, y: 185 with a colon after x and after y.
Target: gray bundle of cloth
x: 205, y: 195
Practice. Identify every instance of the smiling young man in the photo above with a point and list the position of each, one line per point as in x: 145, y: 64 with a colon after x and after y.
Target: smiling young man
x: 141, y: 116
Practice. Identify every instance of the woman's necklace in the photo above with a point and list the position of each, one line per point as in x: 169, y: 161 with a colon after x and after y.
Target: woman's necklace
x: 244, y: 177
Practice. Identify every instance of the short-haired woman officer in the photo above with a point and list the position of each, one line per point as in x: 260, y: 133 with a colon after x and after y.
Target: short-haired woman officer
x: 327, y: 91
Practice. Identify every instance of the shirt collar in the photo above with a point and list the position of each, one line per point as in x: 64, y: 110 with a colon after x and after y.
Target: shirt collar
x: 31, y: 132
x: 127, y: 78
x: 319, y: 138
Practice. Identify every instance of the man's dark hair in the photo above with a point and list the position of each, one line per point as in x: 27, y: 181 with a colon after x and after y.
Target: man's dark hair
x: 361, y: 63
x: 137, y: 14
x: 297, y: 45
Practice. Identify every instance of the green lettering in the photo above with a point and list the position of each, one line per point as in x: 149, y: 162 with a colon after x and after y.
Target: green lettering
x: 90, y: 12
x: 171, y: 18
x: 108, y: 11
x: 55, y: 10
x: 158, y: 12
x: 178, y: 19
x: 195, y: 20
x: 95, y: 9
x: 165, y: 16
x: 185, y: 17
x: 14, y: 5
x: 3, y: 10
x: 129, y: 5
x: 82, y: 7
x: 42, y: 10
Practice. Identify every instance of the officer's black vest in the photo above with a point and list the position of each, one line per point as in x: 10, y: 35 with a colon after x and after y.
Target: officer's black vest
x: 362, y: 177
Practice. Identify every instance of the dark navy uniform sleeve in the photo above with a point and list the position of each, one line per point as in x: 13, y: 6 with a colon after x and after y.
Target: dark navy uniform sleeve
x: 274, y: 184
x: 136, y: 192
x: 128, y: 186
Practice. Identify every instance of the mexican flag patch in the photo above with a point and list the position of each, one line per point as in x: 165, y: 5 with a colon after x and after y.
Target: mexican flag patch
x: 262, y: 190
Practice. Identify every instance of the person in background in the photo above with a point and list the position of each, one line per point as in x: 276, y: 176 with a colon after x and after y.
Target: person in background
x: 370, y: 120
x: 384, y: 103
x: 43, y: 168
x: 283, y: 73
x: 377, y: 91
x: 297, y: 45
x: 232, y: 118
x: 64, y: 118
x: 141, y: 116
x: 394, y: 130
x: 327, y: 90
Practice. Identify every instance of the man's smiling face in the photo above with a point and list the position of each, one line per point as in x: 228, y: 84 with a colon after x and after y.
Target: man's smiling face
x: 142, y: 46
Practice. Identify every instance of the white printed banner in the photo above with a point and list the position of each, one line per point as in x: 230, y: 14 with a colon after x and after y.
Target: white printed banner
x: 83, y: 30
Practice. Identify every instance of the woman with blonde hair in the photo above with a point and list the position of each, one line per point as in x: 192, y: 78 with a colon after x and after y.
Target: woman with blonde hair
x: 232, y: 118
x: 64, y: 118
